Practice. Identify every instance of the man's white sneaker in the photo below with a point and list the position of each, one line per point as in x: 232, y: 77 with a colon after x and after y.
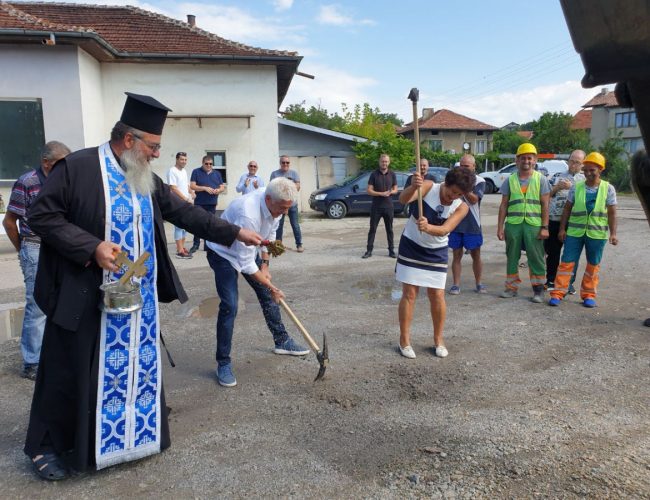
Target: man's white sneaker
x: 407, y: 352
x: 441, y: 351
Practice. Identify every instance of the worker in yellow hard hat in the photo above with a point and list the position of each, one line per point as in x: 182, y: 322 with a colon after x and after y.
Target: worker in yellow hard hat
x: 589, y: 214
x: 523, y: 220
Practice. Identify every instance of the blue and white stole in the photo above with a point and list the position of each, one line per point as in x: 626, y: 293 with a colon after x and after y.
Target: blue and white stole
x: 130, y: 375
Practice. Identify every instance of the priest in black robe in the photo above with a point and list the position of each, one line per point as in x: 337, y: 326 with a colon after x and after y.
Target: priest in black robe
x: 70, y: 216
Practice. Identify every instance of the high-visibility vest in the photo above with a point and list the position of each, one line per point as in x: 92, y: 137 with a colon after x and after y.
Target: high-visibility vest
x: 526, y: 207
x: 594, y: 224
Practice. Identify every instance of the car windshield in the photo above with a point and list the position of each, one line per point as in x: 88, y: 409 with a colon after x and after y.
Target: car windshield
x: 349, y: 180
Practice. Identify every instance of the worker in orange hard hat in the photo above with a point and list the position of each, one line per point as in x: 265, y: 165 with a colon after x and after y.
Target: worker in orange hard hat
x: 589, y: 214
x: 523, y: 219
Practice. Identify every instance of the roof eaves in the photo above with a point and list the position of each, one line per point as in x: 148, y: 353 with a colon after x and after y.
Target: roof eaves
x: 320, y: 130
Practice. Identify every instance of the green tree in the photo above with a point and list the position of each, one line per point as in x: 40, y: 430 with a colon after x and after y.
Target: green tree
x: 552, y: 133
x: 316, y: 116
x: 506, y: 141
x: 363, y: 121
x: 617, y: 166
x: 400, y: 150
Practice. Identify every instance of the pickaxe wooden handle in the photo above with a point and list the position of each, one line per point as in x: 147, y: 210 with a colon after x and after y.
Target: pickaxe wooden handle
x: 414, y: 95
x: 321, y: 355
x: 303, y: 330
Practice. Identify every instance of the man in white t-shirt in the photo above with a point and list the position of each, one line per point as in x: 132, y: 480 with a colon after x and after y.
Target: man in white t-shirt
x: 180, y: 186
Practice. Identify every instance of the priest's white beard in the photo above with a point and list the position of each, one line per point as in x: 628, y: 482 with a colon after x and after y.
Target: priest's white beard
x: 139, y: 176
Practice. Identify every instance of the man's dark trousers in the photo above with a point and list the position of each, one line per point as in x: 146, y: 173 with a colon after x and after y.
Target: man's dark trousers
x: 211, y: 209
x: 375, y: 215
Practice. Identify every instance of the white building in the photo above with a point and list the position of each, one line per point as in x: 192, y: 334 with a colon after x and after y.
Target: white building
x: 65, y: 68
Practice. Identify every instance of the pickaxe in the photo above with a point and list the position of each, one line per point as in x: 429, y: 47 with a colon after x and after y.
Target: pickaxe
x: 321, y: 356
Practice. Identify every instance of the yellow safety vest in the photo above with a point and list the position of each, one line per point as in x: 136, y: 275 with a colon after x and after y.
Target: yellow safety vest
x: 526, y: 207
x: 594, y: 224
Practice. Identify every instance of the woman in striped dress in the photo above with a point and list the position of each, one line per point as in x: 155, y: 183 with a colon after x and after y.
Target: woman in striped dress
x: 422, y: 259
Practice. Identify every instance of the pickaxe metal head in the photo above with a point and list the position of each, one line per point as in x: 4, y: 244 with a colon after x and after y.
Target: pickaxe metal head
x: 323, y: 359
x: 414, y: 95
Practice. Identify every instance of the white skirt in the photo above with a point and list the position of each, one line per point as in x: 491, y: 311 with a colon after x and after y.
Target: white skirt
x: 419, y: 277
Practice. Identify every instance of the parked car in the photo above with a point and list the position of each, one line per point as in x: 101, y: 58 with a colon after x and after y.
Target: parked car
x: 494, y: 180
x: 551, y: 168
x: 350, y: 196
x: 437, y: 172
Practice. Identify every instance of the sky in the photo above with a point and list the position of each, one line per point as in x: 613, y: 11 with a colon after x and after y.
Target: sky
x: 497, y: 61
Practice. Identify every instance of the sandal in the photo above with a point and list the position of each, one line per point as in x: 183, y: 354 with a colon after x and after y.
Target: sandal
x: 50, y: 467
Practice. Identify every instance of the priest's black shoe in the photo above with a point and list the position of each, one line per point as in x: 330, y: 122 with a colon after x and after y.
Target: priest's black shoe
x: 49, y: 466
x: 366, y: 255
x: 392, y: 255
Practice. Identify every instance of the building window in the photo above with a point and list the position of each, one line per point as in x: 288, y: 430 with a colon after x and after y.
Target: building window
x: 219, y: 163
x: 435, y: 145
x: 633, y: 145
x: 479, y: 132
x: 21, y: 137
x: 627, y: 119
x: 481, y: 147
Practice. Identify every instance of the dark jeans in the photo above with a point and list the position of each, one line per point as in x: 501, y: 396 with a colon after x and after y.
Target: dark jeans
x: 293, y: 219
x: 211, y: 209
x: 225, y: 277
x: 375, y: 215
x: 553, y: 249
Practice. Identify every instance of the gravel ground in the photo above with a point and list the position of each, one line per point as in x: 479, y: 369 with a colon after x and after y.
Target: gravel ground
x: 532, y: 401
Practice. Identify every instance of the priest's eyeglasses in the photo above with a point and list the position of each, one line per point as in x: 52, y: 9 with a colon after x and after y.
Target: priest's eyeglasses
x: 153, y: 147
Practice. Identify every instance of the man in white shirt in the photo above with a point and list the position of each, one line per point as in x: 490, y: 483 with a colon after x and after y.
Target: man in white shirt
x: 179, y: 184
x: 250, y: 181
x: 260, y: 210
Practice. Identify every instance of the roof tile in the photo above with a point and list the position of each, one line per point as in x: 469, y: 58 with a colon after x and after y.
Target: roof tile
x: 443, y: 119
x: 127, y: 29
x: 606, y: 98
x: 582, y: 120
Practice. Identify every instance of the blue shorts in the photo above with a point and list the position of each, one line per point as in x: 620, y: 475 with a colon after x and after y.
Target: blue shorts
x: 467, y: 240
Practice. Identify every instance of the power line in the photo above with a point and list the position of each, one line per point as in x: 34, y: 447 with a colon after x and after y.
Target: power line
x: 515, y: 83
x: 518, y: 65
x: 520, y: 78
x: 538, y: 65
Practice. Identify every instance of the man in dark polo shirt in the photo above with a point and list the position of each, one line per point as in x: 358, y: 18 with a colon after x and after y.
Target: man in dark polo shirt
x: 381, y: 185
x: 207, y: 183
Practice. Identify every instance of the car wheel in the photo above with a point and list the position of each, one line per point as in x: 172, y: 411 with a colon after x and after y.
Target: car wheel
x: 489, y: 187
x: 337, y: 210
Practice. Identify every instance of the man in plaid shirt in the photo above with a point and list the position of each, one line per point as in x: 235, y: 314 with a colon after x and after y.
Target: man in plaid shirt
x: 27, y: 244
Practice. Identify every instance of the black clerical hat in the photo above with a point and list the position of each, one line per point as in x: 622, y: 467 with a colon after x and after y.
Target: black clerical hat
x: 144, y: 113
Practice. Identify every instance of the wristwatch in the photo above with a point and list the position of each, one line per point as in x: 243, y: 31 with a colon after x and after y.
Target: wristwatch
x: 545, y: 227
x: 265, y: 261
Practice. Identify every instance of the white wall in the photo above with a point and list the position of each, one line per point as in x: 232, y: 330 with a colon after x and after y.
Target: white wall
x: 203, y: 89
x: 51, y: 74
x: 82, y: 100
x: 92, y: 109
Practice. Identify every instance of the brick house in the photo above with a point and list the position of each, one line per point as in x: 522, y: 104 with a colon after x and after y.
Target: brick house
x: 444, y: 130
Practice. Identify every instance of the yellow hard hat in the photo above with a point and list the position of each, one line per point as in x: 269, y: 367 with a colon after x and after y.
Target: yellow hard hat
x: 526, y: 148
x: 595, y: 158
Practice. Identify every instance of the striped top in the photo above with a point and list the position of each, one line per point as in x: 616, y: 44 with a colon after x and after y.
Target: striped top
x: 23, y: 194
x: 424, y: 251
